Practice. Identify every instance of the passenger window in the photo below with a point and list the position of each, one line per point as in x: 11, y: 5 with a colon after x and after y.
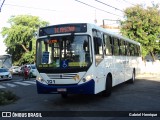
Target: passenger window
x: 132, y: 50
x: 108, y: 45
x: 137, y: 50
x: 127, y: 49
x: 112, y: 44
x: 122, y: 47
x: 116, y: 47
x: 98, y: 46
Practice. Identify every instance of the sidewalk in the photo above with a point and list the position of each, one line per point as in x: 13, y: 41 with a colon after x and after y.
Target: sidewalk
x: 149, y: 76
x: 149, y: 69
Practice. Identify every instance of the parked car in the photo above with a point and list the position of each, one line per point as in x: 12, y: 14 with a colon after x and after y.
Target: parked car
x: 20, y: 70
x: 14, y: 69
x: 5, y: 74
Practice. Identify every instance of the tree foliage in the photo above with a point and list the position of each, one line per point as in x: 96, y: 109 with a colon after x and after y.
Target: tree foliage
x: 143, y: 25
x: 17, y: 37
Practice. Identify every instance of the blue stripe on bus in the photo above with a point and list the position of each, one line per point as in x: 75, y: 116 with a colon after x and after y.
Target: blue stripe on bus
x: 86, y: 88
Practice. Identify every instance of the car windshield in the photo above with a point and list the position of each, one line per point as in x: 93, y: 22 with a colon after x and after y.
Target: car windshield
x: 64, y: 52
x: 3, y: 70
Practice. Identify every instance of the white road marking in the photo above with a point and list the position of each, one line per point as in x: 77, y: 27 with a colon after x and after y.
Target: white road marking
x: 22, y: 83
x: 15, y: 84
x: 32, y: 82
x: 11, y: 85
x: 2, y: 86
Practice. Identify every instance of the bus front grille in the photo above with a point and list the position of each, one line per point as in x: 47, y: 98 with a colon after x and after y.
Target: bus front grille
x: 62, y: 76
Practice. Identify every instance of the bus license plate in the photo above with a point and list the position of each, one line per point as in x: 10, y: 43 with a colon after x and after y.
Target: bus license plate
x: 61, y: 89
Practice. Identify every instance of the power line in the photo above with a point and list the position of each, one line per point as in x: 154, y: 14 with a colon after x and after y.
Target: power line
x: 108, y: 5
x: 97, y: 8
x: 2, y: 5
x: 129, y: 2
x: 30, y: 7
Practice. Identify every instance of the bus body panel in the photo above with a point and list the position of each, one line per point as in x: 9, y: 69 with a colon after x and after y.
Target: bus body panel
x: 99, y: 77
x: 86, y: 88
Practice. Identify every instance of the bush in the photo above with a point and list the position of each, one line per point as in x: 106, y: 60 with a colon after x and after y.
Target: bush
x: 7, y: 97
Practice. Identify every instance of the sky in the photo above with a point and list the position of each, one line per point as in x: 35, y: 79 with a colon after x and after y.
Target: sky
x: 67, y: 11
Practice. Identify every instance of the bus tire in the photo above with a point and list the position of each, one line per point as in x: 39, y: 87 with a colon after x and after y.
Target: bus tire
x: 108, y: 87
x: 133, y: 77
x: 64, y: 95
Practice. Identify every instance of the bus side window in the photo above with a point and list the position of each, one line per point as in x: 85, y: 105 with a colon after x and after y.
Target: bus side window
x: 116, y: 47
x: 111, y: 39
x: 122, y: 47
x: 127, y: 52
x: 98, y: 46
x: 132, y: 50
x: 137, y: 50
x: 108, y: 49
x: 129, y: 49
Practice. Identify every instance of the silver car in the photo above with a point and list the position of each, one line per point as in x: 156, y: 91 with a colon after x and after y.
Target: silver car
x: 5, y: 74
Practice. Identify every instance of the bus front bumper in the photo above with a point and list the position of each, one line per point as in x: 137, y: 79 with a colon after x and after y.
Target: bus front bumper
x: 85, y: 88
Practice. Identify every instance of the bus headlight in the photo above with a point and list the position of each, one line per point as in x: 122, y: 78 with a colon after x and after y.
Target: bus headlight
x: 40, y: 79
x: 87, y: 78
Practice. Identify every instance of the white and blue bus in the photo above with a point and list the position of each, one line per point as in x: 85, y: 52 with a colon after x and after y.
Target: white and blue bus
x: 83, y: 58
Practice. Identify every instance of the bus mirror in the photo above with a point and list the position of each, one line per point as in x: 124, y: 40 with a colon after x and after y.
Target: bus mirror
x: 30, y: 45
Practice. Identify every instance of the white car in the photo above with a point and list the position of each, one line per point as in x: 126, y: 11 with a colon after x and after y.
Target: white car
x: 14, y: 69
x: 5, y: 74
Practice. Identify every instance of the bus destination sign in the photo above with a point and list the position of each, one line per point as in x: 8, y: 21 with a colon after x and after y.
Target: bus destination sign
x: 65, y: 28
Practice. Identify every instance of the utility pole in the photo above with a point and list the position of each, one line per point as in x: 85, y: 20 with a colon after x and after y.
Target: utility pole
x: 95, y: 21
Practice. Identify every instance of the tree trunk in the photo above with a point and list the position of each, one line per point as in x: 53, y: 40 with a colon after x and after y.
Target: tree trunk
x: 153, y: 57
x: 25, y: 48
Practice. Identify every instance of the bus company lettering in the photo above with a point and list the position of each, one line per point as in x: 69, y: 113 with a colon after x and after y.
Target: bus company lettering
x: 64, y: 29
x: 15, y: 114
x: 34, y: 115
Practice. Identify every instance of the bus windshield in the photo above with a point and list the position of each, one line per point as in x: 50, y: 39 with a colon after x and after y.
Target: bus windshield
x: 64, y: 52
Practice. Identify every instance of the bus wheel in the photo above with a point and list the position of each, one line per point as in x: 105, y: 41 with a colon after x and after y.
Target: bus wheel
x: 64, y: 95
x: 133, y: 77
x: 108, y: 90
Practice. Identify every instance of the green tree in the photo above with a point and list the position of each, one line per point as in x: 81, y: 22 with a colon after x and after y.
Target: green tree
x: 143, y: 25
x: 18, y: 36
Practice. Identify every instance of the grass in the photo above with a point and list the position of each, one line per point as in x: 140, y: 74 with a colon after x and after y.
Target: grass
x: 7, y: 97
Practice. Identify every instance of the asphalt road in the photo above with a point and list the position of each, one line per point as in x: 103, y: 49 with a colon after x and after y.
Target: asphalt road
x: 143, y: 95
